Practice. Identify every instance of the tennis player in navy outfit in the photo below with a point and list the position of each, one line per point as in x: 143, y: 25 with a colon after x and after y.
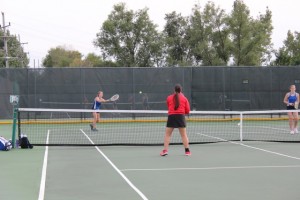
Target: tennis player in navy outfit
x: 178, y: 107
x: 97, y: 106
x: 291, y: 99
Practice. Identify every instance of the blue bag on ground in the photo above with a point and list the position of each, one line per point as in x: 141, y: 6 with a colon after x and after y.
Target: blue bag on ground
x: 5, y: 145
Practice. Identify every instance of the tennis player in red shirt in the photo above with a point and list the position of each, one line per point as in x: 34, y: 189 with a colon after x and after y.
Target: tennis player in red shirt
x: 178, y: 107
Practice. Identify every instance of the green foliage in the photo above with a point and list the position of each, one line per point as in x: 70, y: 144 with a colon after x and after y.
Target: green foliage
x: 61, y: 57
x: 251, y: 39
x: 129, y: 38
x: 289, y: 54
x: 176, y: 39
x: 15, y: 51
x: 92, y: 60
x: 208, y: 36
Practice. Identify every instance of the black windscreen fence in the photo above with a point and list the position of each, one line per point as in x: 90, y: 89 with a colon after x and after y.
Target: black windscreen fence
x: 207, y: 88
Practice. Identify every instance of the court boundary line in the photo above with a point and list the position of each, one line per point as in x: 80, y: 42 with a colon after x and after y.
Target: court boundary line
x: 251, y: 147
x: 117, y: 170
x: 214, y: 168
x: 267, y: 127
x: 44, y: 171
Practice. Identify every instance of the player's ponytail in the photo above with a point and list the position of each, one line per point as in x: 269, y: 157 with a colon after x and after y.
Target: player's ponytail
x: 176, y: 96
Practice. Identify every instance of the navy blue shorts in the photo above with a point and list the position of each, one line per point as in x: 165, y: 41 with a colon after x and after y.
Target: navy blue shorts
x: 290, y: 107
x: 176, y: 121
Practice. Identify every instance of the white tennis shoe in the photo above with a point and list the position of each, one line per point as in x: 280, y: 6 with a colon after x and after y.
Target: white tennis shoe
x: 296, y: 130
x: 292, y: 132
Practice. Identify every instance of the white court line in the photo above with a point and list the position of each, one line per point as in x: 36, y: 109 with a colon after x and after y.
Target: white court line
x: 220, y: 168
x: 252, y: 147
x: 214, y: 168
x: 119, y: 172
x: 268, y: 127
x: 44, y: 171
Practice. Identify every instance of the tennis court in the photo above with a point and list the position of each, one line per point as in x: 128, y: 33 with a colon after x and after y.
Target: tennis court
x: 252, y: 170
x: 221, y: 166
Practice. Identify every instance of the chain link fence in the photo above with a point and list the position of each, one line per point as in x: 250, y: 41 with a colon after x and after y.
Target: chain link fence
x: 207, y: 88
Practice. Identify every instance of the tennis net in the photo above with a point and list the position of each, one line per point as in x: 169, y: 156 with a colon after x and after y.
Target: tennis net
x: 71, y: 127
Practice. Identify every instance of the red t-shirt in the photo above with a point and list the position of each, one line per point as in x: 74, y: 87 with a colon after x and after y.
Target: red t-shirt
x: 184, y: 107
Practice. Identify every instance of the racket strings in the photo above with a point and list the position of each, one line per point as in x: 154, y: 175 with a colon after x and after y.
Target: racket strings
x: 114, y: 98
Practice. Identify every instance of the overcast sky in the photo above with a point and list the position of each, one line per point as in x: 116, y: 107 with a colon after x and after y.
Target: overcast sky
x: 45, y: 24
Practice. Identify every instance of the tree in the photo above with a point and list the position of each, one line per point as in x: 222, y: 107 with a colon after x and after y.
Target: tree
x: 92, y: 60
x: 208, y: 36
x: 251, y: 39
x: 176, y: 39
x: 289, y: 54
x: 129, y: 38
x: 15, y: 51
x: 61, y: 57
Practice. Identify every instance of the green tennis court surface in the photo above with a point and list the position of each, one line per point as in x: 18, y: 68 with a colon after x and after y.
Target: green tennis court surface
x: 228, y: 170
x: 234, y: 156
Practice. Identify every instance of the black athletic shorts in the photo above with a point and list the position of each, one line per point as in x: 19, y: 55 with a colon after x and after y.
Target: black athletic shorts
x: 176, y: 121
x: 290, y: 107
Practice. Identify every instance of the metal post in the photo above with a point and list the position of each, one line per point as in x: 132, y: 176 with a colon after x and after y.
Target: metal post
x: 13, y: 138
x: 14, y: 100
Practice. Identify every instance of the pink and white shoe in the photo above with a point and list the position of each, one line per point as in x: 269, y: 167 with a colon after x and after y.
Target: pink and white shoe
x: 164, y: 152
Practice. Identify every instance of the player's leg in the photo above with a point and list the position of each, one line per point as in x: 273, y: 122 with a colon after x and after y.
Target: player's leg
x: 291, y: 122
x: 184, y: 137
x: 167, y: 139
x: 296, y: 118
x: 185, y: 140
x: 95, y: 119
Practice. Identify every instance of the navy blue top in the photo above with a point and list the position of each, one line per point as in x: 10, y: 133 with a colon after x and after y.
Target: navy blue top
x: 292, y: 98
x: 96, y: 105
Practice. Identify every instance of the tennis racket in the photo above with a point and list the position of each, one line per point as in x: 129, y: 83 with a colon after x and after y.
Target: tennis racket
x: 114, y: 98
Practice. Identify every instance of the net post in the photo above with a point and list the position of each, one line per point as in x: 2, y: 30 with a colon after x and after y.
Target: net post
x: 241, y: 126
x: 13, y: 137
x: 14, y: 100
